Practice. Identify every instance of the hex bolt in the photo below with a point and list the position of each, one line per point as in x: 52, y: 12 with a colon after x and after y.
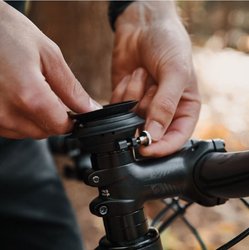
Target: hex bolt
x: 103, y: 210
x: 105, y: 192
x: 145, y: 138
x: 95, y: 179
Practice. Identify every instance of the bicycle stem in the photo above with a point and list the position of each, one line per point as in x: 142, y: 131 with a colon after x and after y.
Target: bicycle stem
x: 125, y: 182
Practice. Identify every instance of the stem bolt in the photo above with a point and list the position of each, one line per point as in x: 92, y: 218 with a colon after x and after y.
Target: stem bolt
x: 105, y: 193
x: 144, y: 138
x: 103, y: 210
x: 95, y: 179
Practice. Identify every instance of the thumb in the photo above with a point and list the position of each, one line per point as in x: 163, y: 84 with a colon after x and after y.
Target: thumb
x: 63, y: 82
x: 162, y: 109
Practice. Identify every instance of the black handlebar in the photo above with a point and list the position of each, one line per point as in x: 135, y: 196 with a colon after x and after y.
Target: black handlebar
x: 224, y: 175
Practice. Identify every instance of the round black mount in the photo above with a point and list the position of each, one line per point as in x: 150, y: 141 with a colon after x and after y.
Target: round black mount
x: 107, y: 111
x: 99, y: 130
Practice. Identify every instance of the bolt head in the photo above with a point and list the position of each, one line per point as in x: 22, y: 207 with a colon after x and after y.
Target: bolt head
x: 95, y: 179
x: 103, y: 210
x: 105, y: 192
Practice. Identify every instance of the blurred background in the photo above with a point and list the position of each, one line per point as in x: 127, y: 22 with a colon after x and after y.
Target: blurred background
x: 219, y: 31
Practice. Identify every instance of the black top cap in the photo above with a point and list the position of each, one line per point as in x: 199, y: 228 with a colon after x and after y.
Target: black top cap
x: 105, y: 126
x: 107, y: 111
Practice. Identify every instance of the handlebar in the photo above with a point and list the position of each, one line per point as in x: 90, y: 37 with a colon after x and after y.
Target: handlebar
x: 224, y: 175
x: 199, y: 174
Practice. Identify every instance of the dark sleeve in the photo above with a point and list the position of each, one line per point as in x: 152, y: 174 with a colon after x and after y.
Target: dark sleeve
x: 115, y: 9
x: 19, y: 5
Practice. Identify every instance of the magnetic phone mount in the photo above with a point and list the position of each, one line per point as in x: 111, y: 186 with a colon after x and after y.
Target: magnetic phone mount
x: 108, y: 135
x: 109, y: 129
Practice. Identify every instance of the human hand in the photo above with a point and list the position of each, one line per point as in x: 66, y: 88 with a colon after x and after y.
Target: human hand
x: 37, y: 88
x: 152, y: 63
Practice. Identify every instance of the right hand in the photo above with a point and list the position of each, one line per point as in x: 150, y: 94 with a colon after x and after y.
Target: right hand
x: 37, y: 87
x: 152, y: 63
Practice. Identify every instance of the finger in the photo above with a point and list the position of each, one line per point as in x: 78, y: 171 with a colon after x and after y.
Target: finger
x: 38, y: 103
x: 178, y: 132
x: 163, y: 106
x: 136, y: 86
x: 118, y: 76
x: 6, y: 133
x: 17, y: 127
x: 146, y: 100
x: 64, y: 84
x: 120, y: 68
x: 117, y: 95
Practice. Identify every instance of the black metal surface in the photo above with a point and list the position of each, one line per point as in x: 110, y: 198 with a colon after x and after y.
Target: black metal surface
x: 101, y: 130
x: 107, y: 111
x: 150, y: 241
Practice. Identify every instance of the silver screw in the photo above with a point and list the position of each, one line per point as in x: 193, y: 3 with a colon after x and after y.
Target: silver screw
x: 95, y: 179
x: 103, y: 210
x: 105, y: 192
x: 145, y: 138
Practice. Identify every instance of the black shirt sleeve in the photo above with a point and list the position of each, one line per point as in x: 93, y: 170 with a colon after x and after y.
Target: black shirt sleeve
x: 115, y: 9
x: 19, y: 5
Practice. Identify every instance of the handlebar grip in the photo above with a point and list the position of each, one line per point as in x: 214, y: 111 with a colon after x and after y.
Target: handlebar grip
x: 224, y: 175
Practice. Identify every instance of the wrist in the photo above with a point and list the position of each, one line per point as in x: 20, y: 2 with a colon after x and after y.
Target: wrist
x: 146, y: 13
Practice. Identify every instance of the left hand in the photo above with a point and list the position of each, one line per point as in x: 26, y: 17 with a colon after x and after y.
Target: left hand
x: 152, y: 63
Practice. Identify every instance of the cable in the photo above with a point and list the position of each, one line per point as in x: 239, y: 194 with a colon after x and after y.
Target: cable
x: 195, y: 233
x: 163, y: 212
x: 239, y: 237
x: 193, y: 230
x: 180, y: 211
x: 235, y: 240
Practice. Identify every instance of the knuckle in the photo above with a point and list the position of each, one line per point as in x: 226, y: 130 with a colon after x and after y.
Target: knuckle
x: 55, y: 49
x: 183, y: 68
x: 166, y: 106
x: 59, y: 127
x: 77, y: 89
x: 132, y: 92
x: 28, y: 91
x: 151, y: 91
x: 53, y: 52
x: 31, y: 101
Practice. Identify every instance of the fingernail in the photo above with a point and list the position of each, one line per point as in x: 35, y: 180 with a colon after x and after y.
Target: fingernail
x: 138, y: 74
x: 156, y: 130
x: 94, y: 105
